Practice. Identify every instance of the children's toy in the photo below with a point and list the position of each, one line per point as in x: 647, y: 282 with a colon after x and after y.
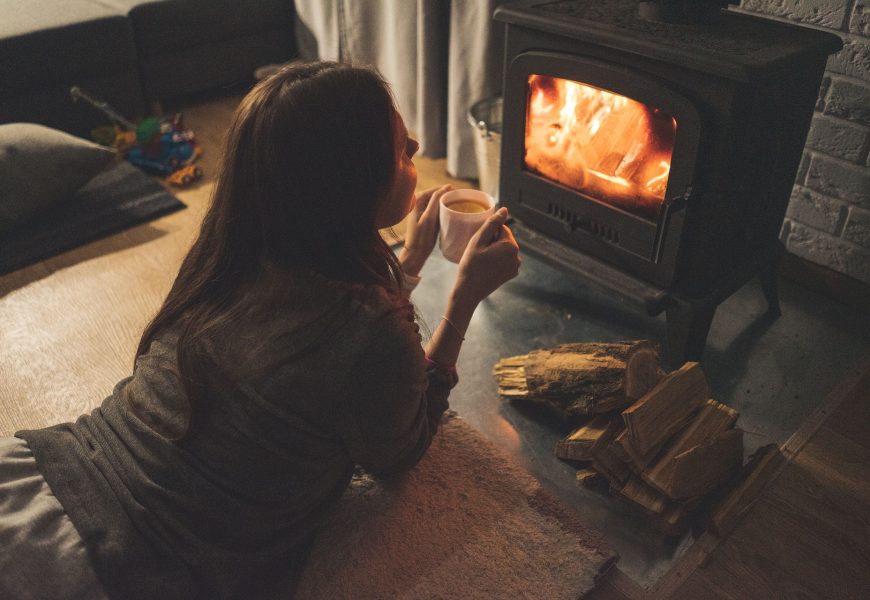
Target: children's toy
x: 160, y: 146
x: 185, y: 175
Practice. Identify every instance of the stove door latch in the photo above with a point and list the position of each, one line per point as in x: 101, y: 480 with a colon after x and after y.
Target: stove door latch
x: 670, y: 225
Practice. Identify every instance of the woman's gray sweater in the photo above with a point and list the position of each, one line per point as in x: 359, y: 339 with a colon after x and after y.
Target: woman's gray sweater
x: 311, y: 378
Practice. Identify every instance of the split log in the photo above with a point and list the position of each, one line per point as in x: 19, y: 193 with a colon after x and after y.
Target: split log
x: 705, y: 467
x: 577, y: 380
x: 676, y: 518
x: 761, y: 467
x: 712, y: 420
x: 578, y: 445
x: 511, y: 375
x: 645, y: 496
x: 666, y: 408
x: 605, y: 461
x: 638, y: 461
x: 590, y: 478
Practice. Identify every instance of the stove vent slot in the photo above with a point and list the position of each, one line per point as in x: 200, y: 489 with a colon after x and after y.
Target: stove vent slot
x: 571, y: 222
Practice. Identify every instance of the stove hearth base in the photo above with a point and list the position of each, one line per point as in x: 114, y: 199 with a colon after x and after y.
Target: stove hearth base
x: 688, y: 318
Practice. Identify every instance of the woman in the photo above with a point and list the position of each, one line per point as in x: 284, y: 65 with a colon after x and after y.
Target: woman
x: 285, y: 353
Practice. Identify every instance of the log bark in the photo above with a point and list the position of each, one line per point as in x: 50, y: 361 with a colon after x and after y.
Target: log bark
x: 666, y: 408
x: 578, y: 380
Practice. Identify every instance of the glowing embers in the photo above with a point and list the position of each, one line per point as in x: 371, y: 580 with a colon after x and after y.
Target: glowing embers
x: 607, y: 146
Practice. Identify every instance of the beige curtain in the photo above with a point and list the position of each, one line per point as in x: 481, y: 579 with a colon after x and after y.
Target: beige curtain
x: 440, y: 56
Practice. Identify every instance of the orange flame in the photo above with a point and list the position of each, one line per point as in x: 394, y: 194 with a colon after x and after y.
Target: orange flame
x: 610, y: 147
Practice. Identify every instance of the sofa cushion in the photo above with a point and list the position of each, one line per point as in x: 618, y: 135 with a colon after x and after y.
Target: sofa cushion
x: 61, y: 42
x: 41, y: 167
x: 166, y: 26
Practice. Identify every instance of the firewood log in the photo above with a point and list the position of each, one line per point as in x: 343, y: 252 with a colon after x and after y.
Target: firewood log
x: 649, y: 499
x: 707, y: 466
x: 590, y: 478
x: 579, y: 380
x: 667, y: 407
x: 638, y: 461
x: 578, y: 445
x: 605, y: 460
x: 709, y: 422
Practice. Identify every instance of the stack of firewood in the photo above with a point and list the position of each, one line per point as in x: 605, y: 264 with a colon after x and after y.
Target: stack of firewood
x: 658, y: 440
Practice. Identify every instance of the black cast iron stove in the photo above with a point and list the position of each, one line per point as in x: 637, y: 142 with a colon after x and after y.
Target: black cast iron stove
x: 653, y: 159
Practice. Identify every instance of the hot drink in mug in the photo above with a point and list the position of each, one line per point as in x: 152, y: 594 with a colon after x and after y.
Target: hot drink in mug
x: 461, y: 214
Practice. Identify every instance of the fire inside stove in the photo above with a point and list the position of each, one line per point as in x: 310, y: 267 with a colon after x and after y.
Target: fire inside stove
x: 606, y: 146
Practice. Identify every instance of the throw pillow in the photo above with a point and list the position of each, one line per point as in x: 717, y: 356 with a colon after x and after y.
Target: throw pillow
x: 41, y: 167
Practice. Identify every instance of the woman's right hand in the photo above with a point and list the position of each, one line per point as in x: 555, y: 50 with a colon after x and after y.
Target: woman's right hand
x: 490, y: 260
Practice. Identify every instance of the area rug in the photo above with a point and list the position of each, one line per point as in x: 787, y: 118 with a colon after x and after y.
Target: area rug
x: 119, y: 197
x: 464, y: 523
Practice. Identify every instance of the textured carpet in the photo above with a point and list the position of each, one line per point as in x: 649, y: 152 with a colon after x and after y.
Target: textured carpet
x: 119, y: 197
x: 465, y: 523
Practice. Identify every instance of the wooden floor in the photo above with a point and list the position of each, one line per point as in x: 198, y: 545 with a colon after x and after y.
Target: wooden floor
x: 807, y: 536
x: 69, y: 327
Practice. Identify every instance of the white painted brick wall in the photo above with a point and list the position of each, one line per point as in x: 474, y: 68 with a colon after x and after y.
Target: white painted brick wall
x: 828, y: 218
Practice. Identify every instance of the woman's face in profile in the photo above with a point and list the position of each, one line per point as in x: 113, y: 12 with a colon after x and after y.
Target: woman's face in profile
x: 399, y: 200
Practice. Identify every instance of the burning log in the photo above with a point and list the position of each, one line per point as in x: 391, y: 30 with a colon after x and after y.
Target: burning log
x: 579, y: 380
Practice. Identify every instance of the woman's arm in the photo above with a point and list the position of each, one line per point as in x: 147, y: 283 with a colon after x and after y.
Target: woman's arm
x: 490, y: 260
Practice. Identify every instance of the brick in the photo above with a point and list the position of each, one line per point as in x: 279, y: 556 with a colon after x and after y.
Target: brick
x: 815, y: 210
x: 824, y: 13
x: 838, y: 138
x: 857, y: 229
x: 839, y: 180
x: 823, y: 249
x: 852, y: 60
x: 860, y: 21
x: 803, y: 168
x: 849, y: 101
x: 823, y: 93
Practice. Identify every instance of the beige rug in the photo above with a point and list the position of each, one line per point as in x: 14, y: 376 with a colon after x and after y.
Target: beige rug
x: 465, y: 523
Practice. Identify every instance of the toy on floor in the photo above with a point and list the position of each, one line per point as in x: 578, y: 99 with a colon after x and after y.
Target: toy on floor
x: 159, y: 146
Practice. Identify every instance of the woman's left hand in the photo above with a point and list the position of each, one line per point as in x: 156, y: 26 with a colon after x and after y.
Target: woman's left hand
x: 422, y: 231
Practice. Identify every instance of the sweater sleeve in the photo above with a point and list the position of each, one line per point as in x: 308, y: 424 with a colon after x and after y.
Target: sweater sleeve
x: 393, y: 401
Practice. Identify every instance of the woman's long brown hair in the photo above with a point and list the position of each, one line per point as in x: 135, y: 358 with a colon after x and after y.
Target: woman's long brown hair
x: 308, y: 157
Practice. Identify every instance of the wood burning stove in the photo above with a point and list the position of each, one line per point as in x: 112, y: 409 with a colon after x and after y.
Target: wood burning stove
x: 656, y: 160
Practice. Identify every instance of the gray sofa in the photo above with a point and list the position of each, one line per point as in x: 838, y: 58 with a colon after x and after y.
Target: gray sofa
x: 130, y: 53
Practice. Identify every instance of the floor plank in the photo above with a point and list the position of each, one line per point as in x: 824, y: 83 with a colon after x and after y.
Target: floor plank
x: 808, y: 536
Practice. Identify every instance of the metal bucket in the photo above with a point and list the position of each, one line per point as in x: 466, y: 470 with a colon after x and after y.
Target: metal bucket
x: 485, y: 117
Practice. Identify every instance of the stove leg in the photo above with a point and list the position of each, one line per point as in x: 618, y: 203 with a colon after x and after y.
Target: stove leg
x: 769, y: 276
x: 688, y: 324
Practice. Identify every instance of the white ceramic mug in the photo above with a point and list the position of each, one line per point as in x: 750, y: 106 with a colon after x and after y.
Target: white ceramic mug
x: 458, y: 226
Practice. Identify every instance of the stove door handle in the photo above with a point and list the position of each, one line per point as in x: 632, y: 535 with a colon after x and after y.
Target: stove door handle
x: 671, y: 207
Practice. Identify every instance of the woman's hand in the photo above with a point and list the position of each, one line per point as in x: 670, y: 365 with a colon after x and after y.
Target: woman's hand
x: 422, y: 230
x: 490, y: 260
